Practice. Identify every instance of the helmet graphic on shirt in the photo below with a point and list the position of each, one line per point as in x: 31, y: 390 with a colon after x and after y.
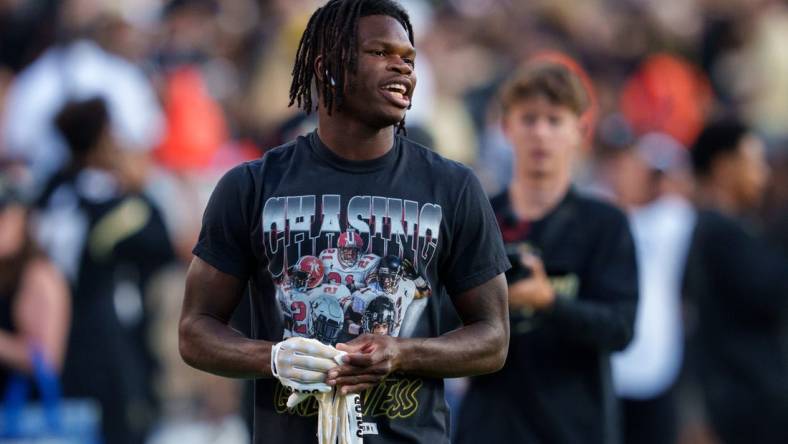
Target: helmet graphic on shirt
x: 326, y: 319
x: 350, y: 245
x: 307, y: 273
x: 390, y: 271
x: 379, y: 316
x: 354, y: 313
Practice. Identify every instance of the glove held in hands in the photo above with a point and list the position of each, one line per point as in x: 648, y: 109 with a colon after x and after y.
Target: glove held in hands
x: 301, y: 364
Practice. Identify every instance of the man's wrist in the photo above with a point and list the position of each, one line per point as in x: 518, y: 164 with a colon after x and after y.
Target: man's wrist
x: 556, y: 308
x: 406, y: 349
x: 265, y: 351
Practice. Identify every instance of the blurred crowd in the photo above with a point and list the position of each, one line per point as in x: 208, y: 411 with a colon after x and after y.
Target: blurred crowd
x: 117, y: 118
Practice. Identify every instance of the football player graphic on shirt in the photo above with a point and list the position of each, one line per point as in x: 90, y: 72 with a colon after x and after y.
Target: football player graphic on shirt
x: 325, y: 319
x: 361, y: 315
x: 310, y: 308
x: 390, y: 281
x: 346, y: 265
x: 354, y: 310
x: 423, y: 289
x: 379, y: 316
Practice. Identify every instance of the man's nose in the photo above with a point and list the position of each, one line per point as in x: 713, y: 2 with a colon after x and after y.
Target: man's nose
x: 401, y: 67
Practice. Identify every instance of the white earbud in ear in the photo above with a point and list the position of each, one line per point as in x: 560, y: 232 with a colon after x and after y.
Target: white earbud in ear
x: 330, y: 79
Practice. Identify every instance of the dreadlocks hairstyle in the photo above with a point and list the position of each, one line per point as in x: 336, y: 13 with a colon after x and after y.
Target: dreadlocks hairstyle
x: 332, y: 34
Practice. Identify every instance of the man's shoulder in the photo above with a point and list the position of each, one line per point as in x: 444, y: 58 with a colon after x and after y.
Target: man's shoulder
x: 274, y: 159
x: 436, y: 163
x: 603, y: 211
x: 282, y: 151
x: 715, y: 223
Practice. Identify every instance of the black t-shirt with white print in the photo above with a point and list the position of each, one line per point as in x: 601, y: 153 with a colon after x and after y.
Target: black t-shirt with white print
x: 333, y: 248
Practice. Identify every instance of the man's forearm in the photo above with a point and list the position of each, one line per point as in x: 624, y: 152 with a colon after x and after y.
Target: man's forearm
x: 209, y: 344
x: 474, y: 349
x: 607, y: 326
x: 479, y: 346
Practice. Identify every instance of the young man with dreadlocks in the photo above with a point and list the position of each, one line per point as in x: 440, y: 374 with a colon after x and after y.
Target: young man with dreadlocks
x: 356, y: 181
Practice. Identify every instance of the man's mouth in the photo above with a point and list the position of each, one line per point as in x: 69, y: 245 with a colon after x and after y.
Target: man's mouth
x: 538, y: 154
x: 397, y: 94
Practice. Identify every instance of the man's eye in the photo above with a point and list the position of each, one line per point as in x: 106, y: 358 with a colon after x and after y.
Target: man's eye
x: 379, y: 53
x: 409, y: 61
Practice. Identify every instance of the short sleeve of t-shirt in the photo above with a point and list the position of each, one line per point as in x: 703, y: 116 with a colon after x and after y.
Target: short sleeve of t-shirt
x: 224, y: 239
x: 477, y: 253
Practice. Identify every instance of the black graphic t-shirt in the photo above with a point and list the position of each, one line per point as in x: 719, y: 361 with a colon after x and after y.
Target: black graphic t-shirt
x: 556, y: 384
x: 335, y: 248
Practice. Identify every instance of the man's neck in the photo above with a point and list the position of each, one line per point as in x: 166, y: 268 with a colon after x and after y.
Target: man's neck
x: 353, y: 140
x: 711, y: 195
x: 533, y: 197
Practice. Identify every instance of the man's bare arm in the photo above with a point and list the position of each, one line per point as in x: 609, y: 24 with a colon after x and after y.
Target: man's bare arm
x: 479, y: 346
x: 207, y: 342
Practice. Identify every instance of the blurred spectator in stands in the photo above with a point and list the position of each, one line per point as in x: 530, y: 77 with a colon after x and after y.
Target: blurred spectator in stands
x: 34, y: 297
x: 26, y: 30
x: 738, y: 283
x: 108, y: 241
x: 774, y: 210
x: 652, y: 183
x: 676, y: 107
x: 77, y: 68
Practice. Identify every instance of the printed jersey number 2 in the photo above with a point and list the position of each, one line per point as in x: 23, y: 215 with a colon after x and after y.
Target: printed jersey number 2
x: 298, y: 310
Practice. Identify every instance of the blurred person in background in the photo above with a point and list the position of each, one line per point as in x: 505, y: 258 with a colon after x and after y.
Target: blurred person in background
x: 652, y: 183
x: 34, y: 296
x: 77, y: 67
x: 573, y: 286
x: 738, y: 285
x: 774, y: 211
x: 108, y: 241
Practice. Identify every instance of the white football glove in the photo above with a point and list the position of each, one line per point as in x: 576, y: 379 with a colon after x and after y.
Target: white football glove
x: 301, y: 364
x: 349, y: 430
x: 340, y: 418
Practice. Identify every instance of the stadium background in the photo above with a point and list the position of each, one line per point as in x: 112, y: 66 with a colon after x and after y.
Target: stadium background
x: 219, y: 73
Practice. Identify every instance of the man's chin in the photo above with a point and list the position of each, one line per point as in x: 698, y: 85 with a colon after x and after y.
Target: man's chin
x: 379, y: 117
x: 391, y: 119
x: 386, y: 116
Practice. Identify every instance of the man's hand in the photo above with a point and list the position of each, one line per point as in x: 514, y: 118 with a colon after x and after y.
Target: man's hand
x: 370, y: 359
x: 534, y: 292
x: 301, y: 365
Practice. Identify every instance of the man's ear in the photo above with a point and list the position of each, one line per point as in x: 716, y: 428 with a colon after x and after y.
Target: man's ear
x: 585, y: 125
x: 320, y: 72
